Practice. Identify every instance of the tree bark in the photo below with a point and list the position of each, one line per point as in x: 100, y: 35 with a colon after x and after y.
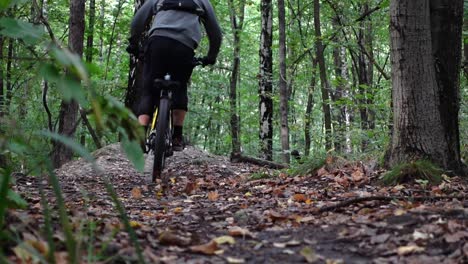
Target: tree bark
x: 237, y: 24
x: 2, y: 93
x: 283, y: 85
x: 323, y: 77
x: 69, y: 110
x: 265, y: 85
x: 426, y: 53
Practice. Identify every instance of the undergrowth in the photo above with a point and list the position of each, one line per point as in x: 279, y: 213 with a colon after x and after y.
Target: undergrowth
x: 413, y: 171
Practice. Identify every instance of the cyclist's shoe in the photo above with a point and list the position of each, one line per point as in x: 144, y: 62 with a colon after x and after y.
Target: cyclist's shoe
x: 178, y: 144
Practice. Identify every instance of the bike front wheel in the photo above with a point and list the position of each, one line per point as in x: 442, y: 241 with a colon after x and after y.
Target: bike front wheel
x: 162, y: 128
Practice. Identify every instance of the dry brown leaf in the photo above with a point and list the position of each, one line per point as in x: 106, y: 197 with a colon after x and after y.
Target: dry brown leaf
x: 299, y: 197
x: 276, y: 216
x: 136, y: 193
x: 169, y: 238
x: 190, y: 187
x: 209, y: 248
x: 321, y: 172
x: 213, y: 196
x: 238, y: 231
x: 357, y: 175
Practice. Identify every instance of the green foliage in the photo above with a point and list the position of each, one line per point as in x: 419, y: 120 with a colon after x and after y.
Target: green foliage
x: 412, y: 172
x: 308, y: 165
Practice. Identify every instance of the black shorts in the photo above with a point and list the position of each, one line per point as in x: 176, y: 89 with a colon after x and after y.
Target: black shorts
x: 165, y: 55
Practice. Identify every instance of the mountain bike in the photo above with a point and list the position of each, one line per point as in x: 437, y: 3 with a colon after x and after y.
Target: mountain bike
x: 159, y: 135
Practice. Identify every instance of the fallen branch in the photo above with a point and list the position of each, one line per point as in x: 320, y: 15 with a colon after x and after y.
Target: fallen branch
x: 238, y: 158
x: 381, y: 198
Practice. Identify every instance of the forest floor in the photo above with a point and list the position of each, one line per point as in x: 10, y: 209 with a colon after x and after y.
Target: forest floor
x: 222, y: 212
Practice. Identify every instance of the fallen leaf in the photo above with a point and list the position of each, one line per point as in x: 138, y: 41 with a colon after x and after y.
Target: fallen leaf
x: 299, y: 197
x: 239, y: 231
x: 213, y: 196
x: 136, y: 193
x: 417, y: 235
x: 309, y: 254
x: 248, y: 194
x: 170, y: 238
x: 225, y: 239
x: 177, y: 210
x: 455, y: 237
x: 135, y: 224
x: 190, y: 187
x: 235, y: 260
x: 357, y: 176
x: 321, y: 172
x: 379, y: 239
x: 209, y: 248
x: 406, y: 250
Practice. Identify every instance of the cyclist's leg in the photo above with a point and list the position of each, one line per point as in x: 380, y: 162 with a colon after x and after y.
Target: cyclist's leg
x: 181, y: 69
x: 155, y: 66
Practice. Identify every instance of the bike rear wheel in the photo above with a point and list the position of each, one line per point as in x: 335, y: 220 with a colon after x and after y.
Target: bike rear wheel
x: 160, y: 141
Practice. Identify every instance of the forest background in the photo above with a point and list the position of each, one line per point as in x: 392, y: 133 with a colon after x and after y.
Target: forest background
x: 341, y: 104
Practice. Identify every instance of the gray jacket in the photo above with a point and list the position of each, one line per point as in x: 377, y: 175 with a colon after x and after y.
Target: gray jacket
x: 178, y: 25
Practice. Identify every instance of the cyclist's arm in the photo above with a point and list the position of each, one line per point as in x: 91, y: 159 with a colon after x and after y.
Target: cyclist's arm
x: 213, y: 30
x: 141, y: 18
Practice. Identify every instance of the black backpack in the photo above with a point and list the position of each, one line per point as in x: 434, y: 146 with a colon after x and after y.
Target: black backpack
x: 181, y: 5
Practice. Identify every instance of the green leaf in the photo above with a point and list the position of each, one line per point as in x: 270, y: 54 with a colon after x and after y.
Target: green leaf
x: 4, y: 4
x: 18, y: 29
x: 134, y: 153
x: 71, y: 89
x: 15, y: 200
x: 77, y: 148
x: 72, y: 61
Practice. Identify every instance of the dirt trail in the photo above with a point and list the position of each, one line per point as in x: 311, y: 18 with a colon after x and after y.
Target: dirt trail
x: 216, y: 213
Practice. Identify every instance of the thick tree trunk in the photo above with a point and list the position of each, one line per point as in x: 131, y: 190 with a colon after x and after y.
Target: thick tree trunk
x: 265, y: 85
x: 69, y: 110
x: 283, y: 85
x: 135, y: 76
x: 426, y: 53
x: 237, y: 23
x: 323, y: 77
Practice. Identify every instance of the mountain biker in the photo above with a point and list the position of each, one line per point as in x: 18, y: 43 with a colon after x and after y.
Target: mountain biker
x: 174, y: 35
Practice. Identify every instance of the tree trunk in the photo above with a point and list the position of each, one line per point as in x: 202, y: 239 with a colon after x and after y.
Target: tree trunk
x: 323, y: 76
x: 135, y: 76
x: 283, y: 85
x: 2, y: 93
x: 426, y: 54
x: 89, y: 59
x: 112, y: 36
x: 309, y: 107
x: 265, y: 85
x: 365, y: 76
x: 237, y: 24
x: 9, y: 85
x: 69, y: 110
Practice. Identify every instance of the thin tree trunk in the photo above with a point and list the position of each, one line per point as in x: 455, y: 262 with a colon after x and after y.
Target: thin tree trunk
x: 265, y: 85
x: 283, y: 85
x: 2, y: 93
x: 111, y: 44
x: 309, y: 107
x: 237, y: 23
x: 89, y: 59
x: 69, y: 110
x: 426, y: 54
x: 323, y: 76
x: 9, y: 85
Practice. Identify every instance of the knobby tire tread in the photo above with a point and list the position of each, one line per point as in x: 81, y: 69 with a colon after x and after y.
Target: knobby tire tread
x: 162, y: 124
